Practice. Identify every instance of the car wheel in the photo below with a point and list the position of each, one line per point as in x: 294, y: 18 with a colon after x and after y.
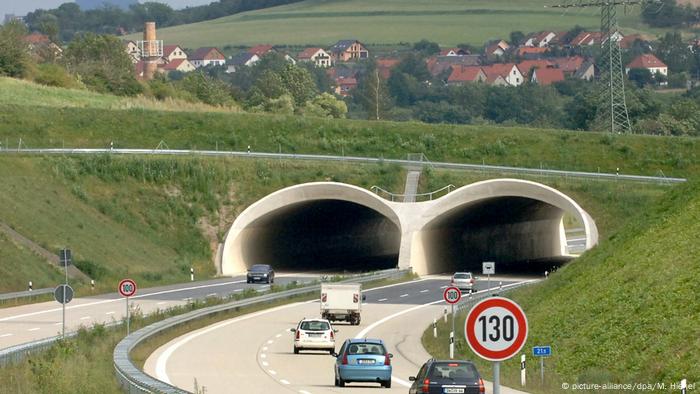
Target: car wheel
x: 335, y: 382
x: 387, y: 384
x: 341, y: 382
x: 296, y: 350
x: 331, y: 351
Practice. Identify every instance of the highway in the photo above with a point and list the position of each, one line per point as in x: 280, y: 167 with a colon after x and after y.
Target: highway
x: 43, y: 320
x: 253, y: 353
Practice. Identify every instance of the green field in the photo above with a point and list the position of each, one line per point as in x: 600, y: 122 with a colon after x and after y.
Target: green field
x: 624, y: 312
x: 448, y: 22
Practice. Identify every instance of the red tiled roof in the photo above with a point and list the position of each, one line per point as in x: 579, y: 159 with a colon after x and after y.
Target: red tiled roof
x: 37, y: 38
x: 646, y: 60
x: 207, y: 53
x: 526, y: 65
x: 172, y: 65
x: 385, y: 65
x: 260, y: 49
x: 531, y: 50
x: 547, y: 76
x: 464, y: 74
x: 502, y: 69
x: 169, y: 49
x: 568, y: 64
x: 349, y: 82
x: 587, y: 38
x: 307, y: 53
x: 627, y: 41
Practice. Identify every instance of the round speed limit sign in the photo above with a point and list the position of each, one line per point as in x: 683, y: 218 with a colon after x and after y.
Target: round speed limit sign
x: 127, y: 288
x: 452, y: 295
x: 496, y: 329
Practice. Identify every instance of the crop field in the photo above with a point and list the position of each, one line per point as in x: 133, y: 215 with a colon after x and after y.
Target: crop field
x: 448, y: 22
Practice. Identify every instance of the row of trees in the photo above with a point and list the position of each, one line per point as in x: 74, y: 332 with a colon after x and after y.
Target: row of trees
x: 64, y: 22
x: 668, y: 13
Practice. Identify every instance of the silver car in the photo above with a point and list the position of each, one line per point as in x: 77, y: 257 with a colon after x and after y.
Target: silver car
x: 464, y: 281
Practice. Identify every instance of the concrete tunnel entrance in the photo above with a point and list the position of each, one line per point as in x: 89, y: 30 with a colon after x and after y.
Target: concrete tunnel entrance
x: 322, y: 235
x: 520, y: 234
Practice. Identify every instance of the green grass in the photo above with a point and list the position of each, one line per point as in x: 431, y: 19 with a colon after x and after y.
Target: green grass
x: 624, y: 312
x: 150, y: 218
x: 24, y: 266
x: 448, y: 22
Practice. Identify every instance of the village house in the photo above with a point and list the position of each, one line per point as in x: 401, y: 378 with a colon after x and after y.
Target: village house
x: 317, y: 56
x: 496, y: 48
x: 41, y: 46
x: 181, y: 65
x: 453, y: 52
x: 540, y: 40
x: 649, y: 62
x: 531, y: 52
x: 173, y: 52
x: 348, y: 50
x: 585, y: 38
x: 466, y: 74
x: 207, y: 56
x: 526, y: 66
x: 385, y: 65
x: 344, y: 86
x: 547, y: 76
x: 438, y: 65
x: 243, y: 59
x: 509, y: 72
x: 133, y: 50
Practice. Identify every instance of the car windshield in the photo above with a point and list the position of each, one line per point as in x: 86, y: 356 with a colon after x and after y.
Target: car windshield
x: 463, y: 276
x: 315, y: 326
x: 260, y: 267
x: 453, y: 371
x: 366, y: 348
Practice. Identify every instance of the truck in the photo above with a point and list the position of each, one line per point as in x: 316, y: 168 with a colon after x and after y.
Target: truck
x: 341, y: 302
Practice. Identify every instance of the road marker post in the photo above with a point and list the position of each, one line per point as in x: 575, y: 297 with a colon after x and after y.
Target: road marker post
x: 523, y: 376
x: 191, y: 274
x: 444, y: 314
x: 496, y: 329
x: 31, y: 286
x: 434, y: 328
x: 127, y: 288
x: 684, y: 386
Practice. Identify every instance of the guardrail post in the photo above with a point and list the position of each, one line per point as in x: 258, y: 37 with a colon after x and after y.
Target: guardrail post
x: 434, y: 328
x: 31, y: 286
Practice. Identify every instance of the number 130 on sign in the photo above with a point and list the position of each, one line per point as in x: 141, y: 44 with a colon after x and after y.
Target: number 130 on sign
x: 496, y: 329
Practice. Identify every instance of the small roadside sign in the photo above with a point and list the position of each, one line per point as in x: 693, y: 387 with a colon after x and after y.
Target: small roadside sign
x: 452, y: 295
x: 63, y: 294
x: 127, y: 288
x: 542, y: 351
x: 65, y: 257
x: 489, y: 268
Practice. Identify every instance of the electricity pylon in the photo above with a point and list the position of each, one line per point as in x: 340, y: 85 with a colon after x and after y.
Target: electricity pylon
x: 611, y: 113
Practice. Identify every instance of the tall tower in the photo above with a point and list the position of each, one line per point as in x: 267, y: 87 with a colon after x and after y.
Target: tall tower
x: 151, y: 50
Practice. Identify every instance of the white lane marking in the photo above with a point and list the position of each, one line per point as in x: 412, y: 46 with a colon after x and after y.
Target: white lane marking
x: 187, y: 299
x: 109, y: 313
x: 211, y: 295
x: 284, y: 381
x: 278, y: 335
x: 162, y: 361
x: 160, y: 303
x: 34, y: 329
x: 272, y: 372
x: 424, y: 291
x: 58, y: 324
x: 85, y: 318
x: 265, y: 363
x: 5, y: 335
x: 443, y: 287
x: 403, y: 295
x: 118, y: 300
x: 270, y: 341
x: 263, y: 355
x: 304, y: 392
x: 381, y: 299
x: 363, y: 333
x: 264, y: 348
x: 238, y: 290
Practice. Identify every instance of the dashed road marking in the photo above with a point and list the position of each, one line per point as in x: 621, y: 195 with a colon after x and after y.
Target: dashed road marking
x: 403, y: 295
x: 263, y: 355
x: 272, y: 372
x: 424, y: 291
x: 381, y: 299
x: 265, y: 363
x: 278, y: 335
x: 85, y: 318
x: 5, y: 335
x: 160, y: 303
x: 58, y: 324
x: 270, y: 341
x: 304, y: 392
x: 238, y: 290
x: 284, y: 381
x: 109, y: 313
x: 443, y: 287
x: 264, y: 348
x: 211, y: 295
x: 187, y: 299
x: 34, y: 329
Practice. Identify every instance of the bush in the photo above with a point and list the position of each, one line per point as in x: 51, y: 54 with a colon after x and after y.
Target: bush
x: 51, y: 74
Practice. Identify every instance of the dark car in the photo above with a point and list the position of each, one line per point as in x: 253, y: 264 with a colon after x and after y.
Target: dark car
x: 446, y: 377
x: 260, y: 273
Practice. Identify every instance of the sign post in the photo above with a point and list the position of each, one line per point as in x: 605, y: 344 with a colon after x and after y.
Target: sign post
x: 65, y: 257
x: 542, y: 352
x: 127, y: 288
x: 488, y: 269
x: 452, y: 295
x: 496, y: 330
x: 63, y: 294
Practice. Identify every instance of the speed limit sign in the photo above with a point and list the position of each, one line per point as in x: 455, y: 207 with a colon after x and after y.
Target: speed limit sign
x: 127, y: 288
x: 452, y: 295
x: 496, y: 329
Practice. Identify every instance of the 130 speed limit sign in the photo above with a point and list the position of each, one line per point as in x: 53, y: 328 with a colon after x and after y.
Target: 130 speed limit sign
x: 496, y: 329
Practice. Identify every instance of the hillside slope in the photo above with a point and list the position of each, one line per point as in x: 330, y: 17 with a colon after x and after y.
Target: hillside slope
x: 448, y: 22
x: 624, y: 312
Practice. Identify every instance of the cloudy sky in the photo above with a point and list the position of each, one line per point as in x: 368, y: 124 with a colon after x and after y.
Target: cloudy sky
x: 25, y: 6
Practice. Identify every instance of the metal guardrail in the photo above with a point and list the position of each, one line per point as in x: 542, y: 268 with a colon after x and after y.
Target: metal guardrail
x: 400, y: 197
x: 133, y: 380
x: 472, y: 299
x: 356, y: 159
x: 24, y: 294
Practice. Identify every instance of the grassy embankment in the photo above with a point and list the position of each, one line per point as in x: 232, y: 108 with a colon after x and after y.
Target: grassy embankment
x: 83, y: 365
x: 448, y: 22
x: 624, y: 312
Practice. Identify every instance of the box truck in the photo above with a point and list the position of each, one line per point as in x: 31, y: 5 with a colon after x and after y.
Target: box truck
x: 341, y: 302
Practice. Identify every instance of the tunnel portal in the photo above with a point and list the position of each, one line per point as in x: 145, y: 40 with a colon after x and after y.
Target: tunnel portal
x: 322, y: 235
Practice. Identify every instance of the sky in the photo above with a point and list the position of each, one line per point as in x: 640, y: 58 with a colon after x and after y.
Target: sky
x: 23, y: 7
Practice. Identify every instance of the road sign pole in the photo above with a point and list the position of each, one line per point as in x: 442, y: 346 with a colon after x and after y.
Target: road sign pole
x: 496, y: 377
x: 523, y: 376
x: 63, y: 325
x: 127, y: 315
x: 488, y: 283
x: 542, y: 369
x: 452, y: 334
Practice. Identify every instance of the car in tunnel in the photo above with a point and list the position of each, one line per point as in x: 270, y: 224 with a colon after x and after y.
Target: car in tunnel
x: 260, y: 273
x: 314, y: 334
x: 447, y: 377
x: 464, y: 281
x: 363, y: 360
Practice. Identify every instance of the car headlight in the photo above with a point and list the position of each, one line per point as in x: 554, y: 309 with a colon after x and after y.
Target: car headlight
x: 264, y: 274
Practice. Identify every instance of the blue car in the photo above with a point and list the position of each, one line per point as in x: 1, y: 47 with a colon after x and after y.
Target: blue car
x: 363, y: 360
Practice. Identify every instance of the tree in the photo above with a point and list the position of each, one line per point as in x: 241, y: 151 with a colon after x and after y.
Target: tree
x: 207, y: 89
x: 426, y: 48
x: 14, y: 51
x: 327, y: 106
x: 372, y: 93
x: 675, y: 53
x: 517, y: 38
x: 298, y: 82
x: 102, y: 64
x: 641, y: 77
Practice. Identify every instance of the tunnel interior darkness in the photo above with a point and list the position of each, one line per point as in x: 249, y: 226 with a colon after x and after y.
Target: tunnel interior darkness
x: 521, y: 235
x: 322, y: 235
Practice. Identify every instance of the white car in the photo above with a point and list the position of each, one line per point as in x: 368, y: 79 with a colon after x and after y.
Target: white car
x: 314, y: 334
x: 463, y: 281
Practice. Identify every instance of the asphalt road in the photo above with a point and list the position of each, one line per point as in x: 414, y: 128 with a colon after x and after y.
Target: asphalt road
x: 37, y: 321
x: 253, y: 353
